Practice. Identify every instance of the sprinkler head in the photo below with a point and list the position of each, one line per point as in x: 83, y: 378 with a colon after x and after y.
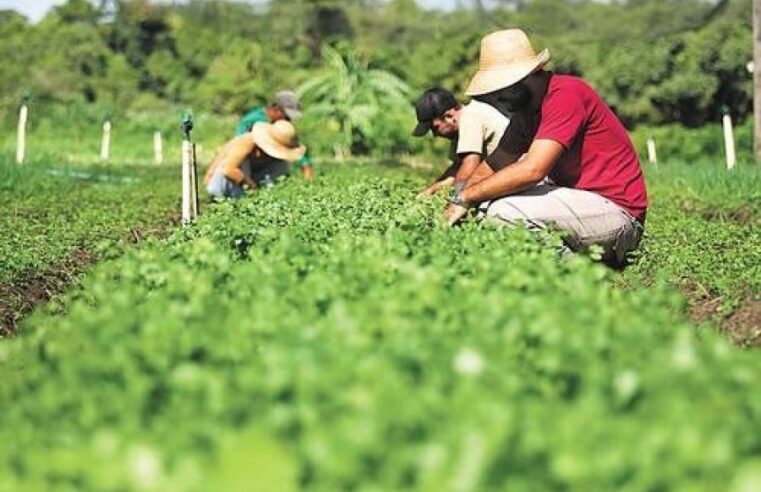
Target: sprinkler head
x: 187, y: 125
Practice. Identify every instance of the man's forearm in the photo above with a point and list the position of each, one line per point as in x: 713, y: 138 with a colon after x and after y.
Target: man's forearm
x: 481, y: 172
x: 468, y: 166
x: 233, y: 173
x: 512, y: 179
x: 534, y: 166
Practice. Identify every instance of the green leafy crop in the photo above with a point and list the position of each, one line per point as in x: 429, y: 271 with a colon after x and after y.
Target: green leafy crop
x: 50, y: 212
x: 332, y: 335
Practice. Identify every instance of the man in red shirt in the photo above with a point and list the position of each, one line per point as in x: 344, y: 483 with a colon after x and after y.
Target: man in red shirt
x: 565, y: 160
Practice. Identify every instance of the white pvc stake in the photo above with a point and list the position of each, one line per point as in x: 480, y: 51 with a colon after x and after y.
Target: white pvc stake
x: 193, y: 184
x: 105, y: 143
x: 651, y: 155
x: 21, y: 136
x: 158, y: 148
x: 729, y: 142
x: 187, y: 160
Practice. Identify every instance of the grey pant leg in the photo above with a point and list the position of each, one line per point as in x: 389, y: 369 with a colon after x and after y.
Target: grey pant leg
x: 221, y: 187
x: 586, y: 217
x: 274, y: 168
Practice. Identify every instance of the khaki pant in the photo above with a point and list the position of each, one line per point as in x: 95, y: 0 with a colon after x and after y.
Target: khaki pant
x: 586, y: 217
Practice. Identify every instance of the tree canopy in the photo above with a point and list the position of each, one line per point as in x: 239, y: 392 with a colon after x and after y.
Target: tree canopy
x: 654, y: 61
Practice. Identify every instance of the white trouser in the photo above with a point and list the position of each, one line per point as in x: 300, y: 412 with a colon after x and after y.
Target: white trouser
x: 586, y: 217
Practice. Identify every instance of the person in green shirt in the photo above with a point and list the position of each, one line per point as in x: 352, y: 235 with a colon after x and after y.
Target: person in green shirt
x: 285, y: 107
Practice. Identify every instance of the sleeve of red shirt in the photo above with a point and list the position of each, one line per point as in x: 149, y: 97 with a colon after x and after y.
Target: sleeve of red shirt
x: 562, y: 118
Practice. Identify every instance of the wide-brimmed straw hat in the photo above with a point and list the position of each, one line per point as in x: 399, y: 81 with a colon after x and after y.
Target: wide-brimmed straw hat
x: 506, y: 58
x: 278, y: 140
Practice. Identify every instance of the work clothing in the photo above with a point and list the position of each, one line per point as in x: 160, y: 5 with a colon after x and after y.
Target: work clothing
x: 225, y: 176
x: 261, y: 171
x: 480, y: 128
x: 588, y: 218
x: 599, y: 156
x: 598, y: 193
x: 256, y: 115
x: 259, y: 115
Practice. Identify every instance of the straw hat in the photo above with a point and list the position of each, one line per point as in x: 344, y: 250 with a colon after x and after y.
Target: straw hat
x: 278, y: 140
x: 506, y: 58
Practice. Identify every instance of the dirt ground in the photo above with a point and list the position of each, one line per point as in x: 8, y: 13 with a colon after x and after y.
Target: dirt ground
x: 29, y: 289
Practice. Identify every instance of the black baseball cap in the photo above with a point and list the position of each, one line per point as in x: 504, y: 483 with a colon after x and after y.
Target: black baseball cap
x: 433, y: 103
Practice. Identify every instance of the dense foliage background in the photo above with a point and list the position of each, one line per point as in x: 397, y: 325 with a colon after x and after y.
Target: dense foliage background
x: 655, y: 61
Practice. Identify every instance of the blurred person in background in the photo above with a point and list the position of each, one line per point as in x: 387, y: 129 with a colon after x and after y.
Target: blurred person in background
x: 253, y: 159
x: 284, y: 107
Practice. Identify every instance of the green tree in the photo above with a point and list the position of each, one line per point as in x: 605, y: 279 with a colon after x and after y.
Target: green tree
x: 354, y: 99
x: 233, y: 83
x: 78, y: 11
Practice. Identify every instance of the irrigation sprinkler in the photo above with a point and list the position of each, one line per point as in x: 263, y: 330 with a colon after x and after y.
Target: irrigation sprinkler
x: 105, y: 143
x: 158, y: 148
x: 729, y: 139
x: 651, y: 155
x: 190, y: 205
x: 21, y: 134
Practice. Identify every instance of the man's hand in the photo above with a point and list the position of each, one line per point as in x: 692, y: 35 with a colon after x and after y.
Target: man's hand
x: 249, y: 183
x: 454, y: 213
x: 435, y: 188
x: 308, y: 171
x: 428, y: 192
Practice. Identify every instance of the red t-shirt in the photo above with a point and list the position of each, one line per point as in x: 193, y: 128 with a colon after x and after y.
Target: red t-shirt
x: 599, y: 156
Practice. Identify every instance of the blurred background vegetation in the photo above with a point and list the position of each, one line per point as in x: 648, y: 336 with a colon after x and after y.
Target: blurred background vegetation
x: 667, y: 67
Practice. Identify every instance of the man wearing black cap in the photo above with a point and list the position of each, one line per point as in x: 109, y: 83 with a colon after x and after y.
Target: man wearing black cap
x: 474, y: 130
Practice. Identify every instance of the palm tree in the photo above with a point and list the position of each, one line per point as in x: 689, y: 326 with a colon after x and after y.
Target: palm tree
x: 353, y: 96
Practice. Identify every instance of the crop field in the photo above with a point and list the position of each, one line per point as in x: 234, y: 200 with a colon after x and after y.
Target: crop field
x: 334, y: 335
x: 59, y: 218
x: 704, y: 239
x: 329, y: 331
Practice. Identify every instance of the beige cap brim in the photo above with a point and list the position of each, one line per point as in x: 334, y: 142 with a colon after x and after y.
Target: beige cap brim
x: 274, y: 148
x: 292, y: 114
x: 486, y: 81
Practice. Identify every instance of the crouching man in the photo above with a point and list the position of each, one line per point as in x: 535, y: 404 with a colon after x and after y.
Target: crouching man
x: 474, y: 131
x: 254, y: 158
x: 285, y: 107
x: 597, y: 194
